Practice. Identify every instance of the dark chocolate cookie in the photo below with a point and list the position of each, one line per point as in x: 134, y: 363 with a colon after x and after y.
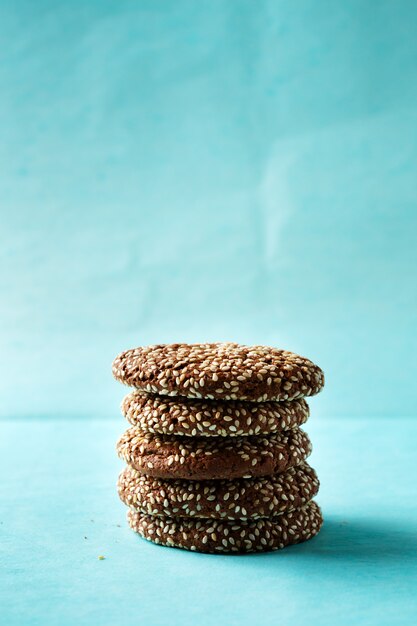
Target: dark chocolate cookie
x: 205, y: 458
x: 211, y: 418
x: 226, y: 371
x: 242, y: 498
x: 219, y: 536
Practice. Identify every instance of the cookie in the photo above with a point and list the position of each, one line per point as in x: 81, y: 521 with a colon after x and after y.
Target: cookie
x: 244, y: 498
x: 211, y: 418
x: 208, y: 458
x: 226, y: 371
x: 219, y: 536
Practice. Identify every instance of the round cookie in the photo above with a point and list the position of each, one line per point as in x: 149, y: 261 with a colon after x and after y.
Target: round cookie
x: 208, y: 458
x: 219, y: 536
x: 244, y: 498
x: 211, y: 418
x: 226, y: 371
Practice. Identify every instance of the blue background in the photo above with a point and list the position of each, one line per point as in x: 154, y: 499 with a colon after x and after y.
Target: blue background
x: 192, y: 171
x: 220, y: 170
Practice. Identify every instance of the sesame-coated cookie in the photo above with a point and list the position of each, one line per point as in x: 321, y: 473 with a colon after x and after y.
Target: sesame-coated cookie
x: 219, y: 536
x: 225, y: 371
x: 208, y: 458
x: 244, y: 498
x: 208, y: 418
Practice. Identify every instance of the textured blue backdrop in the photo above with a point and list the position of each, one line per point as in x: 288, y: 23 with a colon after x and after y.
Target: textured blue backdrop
x: 207, y: 170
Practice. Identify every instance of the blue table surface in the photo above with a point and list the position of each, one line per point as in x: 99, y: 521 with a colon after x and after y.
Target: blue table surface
x: 59, y: 511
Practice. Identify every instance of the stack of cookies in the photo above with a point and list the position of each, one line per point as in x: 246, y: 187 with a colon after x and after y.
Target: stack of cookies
x: 216, y: 458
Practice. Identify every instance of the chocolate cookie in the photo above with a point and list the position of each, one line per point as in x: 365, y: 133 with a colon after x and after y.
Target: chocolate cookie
x: 205, y: 458
x: 208, y: 418
x: 244, y: 498
x: 226, y: 371
x: 230, y: 536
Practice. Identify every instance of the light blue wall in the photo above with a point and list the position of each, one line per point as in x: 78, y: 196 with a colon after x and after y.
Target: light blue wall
x: 241, y: 170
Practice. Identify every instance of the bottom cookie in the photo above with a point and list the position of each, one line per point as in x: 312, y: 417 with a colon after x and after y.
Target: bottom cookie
x: 218, y: 536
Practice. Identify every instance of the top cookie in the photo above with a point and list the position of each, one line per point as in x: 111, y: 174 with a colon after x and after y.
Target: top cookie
x: 225, y: 371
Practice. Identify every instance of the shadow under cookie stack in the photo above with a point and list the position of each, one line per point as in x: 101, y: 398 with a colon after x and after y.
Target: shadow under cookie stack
x: 216, y: 458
